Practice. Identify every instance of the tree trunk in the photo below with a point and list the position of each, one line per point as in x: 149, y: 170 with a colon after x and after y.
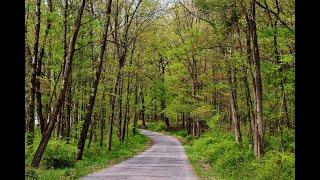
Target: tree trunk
x: 258, y: 93
x: 189, y: 124
x: 154, y: 113
x: 162, y: 107
x: 126, y: 112
x: 95, y: 83
x: 194, y: 127
x: 198, y: 128
x: 58, y: 125
x: 68, y: 120
x: 38, y: 97
x: 162, y: 100
x: 234, y: 111
x: 135, y: 118
x: 33, y: 75
x: 92, y: 123
x: 53, y: 117
x: 119, y: 107
x: 112, y: 112
x: 250, y: 114
x: 183, y: 121
x: 76, y: 118
x: 102, y: 115
x: 285, y: 108
x: 143, y: 109
x: 63, y: 121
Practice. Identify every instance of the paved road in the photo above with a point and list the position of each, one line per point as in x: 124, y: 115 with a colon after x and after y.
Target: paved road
x: 165, y: 160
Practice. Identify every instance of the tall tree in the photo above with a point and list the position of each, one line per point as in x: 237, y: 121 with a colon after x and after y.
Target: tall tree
x: 53, y: 117
x: 94, y: 88
x: 33, y: 74
x: 258, y: 84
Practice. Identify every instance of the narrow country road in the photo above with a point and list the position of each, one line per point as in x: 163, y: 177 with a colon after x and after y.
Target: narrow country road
x: 165, y: 160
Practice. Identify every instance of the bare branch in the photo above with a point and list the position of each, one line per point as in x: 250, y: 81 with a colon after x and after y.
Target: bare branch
x: 192, y: 13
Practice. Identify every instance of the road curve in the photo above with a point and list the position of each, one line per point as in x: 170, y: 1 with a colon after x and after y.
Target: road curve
x: 165, y: 160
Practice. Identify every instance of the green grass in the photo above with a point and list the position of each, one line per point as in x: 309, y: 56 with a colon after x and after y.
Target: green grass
x: 94, y: 158
x: 216, y: 155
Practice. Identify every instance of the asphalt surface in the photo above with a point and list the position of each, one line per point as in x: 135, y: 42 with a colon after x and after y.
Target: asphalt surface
x: 165, y: 160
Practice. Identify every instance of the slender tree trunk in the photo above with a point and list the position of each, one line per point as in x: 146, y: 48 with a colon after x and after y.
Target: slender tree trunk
x: 38, y: 97
x: 135, y: 118
x: 94, y: 138
x: 60, y: 124
x: 183, y: 121
x: 68, y: 118
x: 112, y: 112
x: 194, y: 92
x: 103, y: 115
x: 285, y: 109
x: 63, y: 121
x: 250, y: 114
x: 76, y: 118
x: 129, y: 90
x: 127, y: 126
x: 119, y: 107
x: 53, y: 117
x: 69, y: 84
x: 48, y: 75
x: 234, y: 111
x: 154, y: 113
x: 91, y: 131
x: 143, y: 109
x: 188, y: 123
x: 258, y: 93
x: 198, y: 128
x: 33, y: 75
x: 248, y: 18
x: 166, y: 122
x: 162, y: 107
x: 126, y: 112
x: 162, y: 100
x: 95, y: 83
x: 194, y: 127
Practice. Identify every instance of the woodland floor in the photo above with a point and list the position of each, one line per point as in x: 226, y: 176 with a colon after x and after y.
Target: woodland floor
x: 166, y: 159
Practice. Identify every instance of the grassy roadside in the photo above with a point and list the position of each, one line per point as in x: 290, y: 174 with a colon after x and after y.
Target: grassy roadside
x: 216, y: 155
x: 95, y: 158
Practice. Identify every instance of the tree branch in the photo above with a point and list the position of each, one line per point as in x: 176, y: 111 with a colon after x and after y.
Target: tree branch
x: 276, y: 15
x: 192, y: 13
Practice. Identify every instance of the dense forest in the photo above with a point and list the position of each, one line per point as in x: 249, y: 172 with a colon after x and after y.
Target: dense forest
x: 218, y: 74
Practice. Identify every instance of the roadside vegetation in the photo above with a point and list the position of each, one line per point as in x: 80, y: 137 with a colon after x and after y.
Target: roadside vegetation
x: 215, y: 154
x: 58, y: 161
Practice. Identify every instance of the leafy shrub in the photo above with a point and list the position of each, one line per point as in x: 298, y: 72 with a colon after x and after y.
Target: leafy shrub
x: 213, y: 121
x: 275, y: 142
x: 182, y: 133
x: 94, y: 153
x: 30, y: 173
x: 188, y: 137
x: 158, y: 126
x: 59, y: 155
x: 277, y: 164
x: 289, y: 140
